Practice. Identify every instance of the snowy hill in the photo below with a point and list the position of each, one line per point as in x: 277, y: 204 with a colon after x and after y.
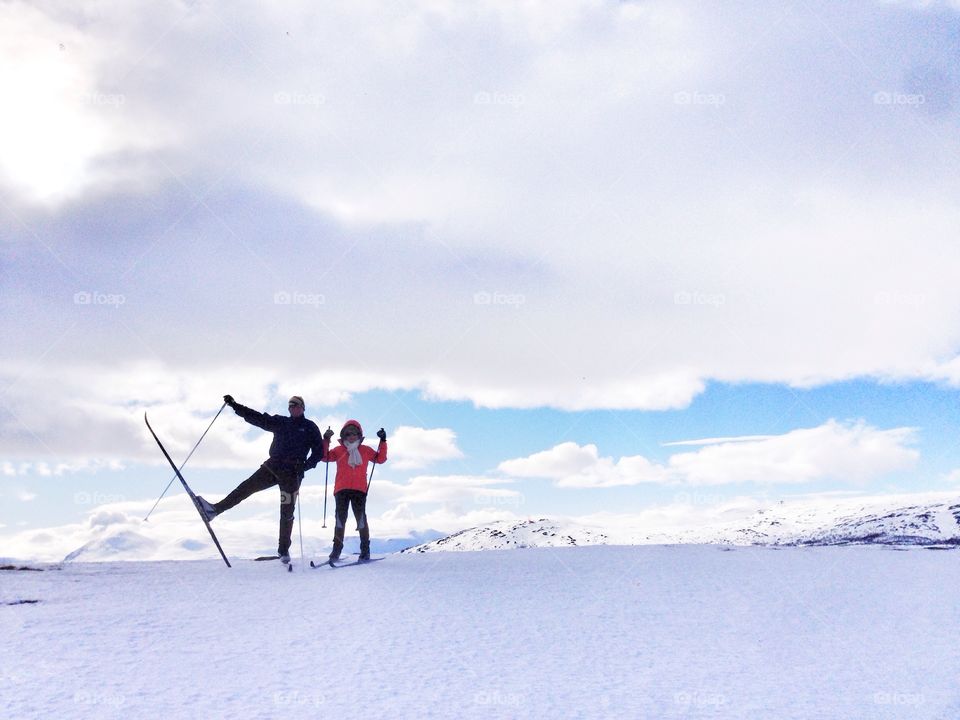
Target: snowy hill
x: 507, y: 535
x: 849, y: 521
x: 876, y: 521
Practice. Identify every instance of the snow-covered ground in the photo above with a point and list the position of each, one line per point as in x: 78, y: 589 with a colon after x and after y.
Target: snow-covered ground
x: 585, y: 632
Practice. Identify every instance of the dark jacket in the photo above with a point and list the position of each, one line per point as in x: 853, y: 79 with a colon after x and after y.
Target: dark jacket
x: 293, y: 438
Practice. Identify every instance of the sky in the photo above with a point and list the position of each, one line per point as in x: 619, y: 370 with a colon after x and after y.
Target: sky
x: 575, y: 257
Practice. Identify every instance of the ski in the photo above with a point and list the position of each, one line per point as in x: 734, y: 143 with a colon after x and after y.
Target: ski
x: 358, y: 562
x: 186, y: 487
x: 266, y: 557
x: 338, y: 564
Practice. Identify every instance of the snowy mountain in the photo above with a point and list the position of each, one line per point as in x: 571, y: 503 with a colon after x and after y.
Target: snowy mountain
x: 507, y: 535
x: 842, y: 522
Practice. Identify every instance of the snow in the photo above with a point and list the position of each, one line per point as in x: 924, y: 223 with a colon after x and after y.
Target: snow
x: 686, y: 631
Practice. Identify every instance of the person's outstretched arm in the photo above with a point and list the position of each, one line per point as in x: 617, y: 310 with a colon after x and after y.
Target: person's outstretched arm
x: 259, y: 419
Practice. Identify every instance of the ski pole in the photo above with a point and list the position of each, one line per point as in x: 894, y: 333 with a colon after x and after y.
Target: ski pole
x: 300, y: 523
x: 373, y: 466
x: 326, y: 478
x: 184, y: 462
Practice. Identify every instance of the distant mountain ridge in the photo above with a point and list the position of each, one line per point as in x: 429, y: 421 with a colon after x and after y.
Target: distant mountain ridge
x: 847, y: 522
x: 507, y: 535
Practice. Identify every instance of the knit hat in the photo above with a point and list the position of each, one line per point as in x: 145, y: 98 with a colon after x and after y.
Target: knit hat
x: 348, y: 423
x: 296, y: 400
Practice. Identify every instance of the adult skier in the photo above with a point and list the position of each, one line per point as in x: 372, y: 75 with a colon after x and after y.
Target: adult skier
x: 297, y: 447
x: 350, y: 488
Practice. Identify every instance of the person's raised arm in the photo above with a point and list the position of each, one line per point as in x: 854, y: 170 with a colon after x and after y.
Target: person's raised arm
x: 382, y: 447
x: 259, y: 419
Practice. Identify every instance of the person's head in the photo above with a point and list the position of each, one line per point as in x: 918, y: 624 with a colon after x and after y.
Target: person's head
x: 295, y: 406
x: 351, y: 431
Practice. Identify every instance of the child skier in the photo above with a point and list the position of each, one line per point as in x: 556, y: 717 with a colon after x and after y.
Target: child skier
x: 350, y: 487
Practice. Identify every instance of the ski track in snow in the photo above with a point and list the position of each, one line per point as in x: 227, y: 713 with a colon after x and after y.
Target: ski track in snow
x: 594, y: 632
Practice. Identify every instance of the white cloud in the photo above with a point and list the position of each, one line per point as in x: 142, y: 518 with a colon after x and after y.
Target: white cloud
x: 64, y: 124
x: 114, y: 530
x: 854, y: 453
x: 571, y: 465
x: 716, y: 441
x: 844, y: 452
x: 24, y: 496
x: 449, y: 489
x: 45, y: 469
x: 414, y: 447
x: 952, y: 478
x: 540, y: 151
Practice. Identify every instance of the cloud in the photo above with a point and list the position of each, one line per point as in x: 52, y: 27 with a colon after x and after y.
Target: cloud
x: 24, y: 496
x: 843, y: 452
x: 67, y: 125
x: 854, y: 453
x: 114, y: 530
x: 575, y: 205
x: 716, y: 441
x: 45, y: 469
x: 414, y: 447
x: 571, y: 465
x: 450, y: 489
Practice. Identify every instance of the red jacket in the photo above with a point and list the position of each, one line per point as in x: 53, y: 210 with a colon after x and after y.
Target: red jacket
x: 353, y: 478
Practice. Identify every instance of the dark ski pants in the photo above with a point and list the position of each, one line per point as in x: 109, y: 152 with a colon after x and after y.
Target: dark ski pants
x: 288, y: 478
x: 358, y: 499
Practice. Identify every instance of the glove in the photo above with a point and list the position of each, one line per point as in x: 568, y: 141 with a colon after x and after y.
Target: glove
x: 382, y: 435
x: 328, y: 434
x: 228, y: 399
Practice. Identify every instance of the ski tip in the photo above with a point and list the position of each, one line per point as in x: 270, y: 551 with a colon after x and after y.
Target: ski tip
x: 290, y: 568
